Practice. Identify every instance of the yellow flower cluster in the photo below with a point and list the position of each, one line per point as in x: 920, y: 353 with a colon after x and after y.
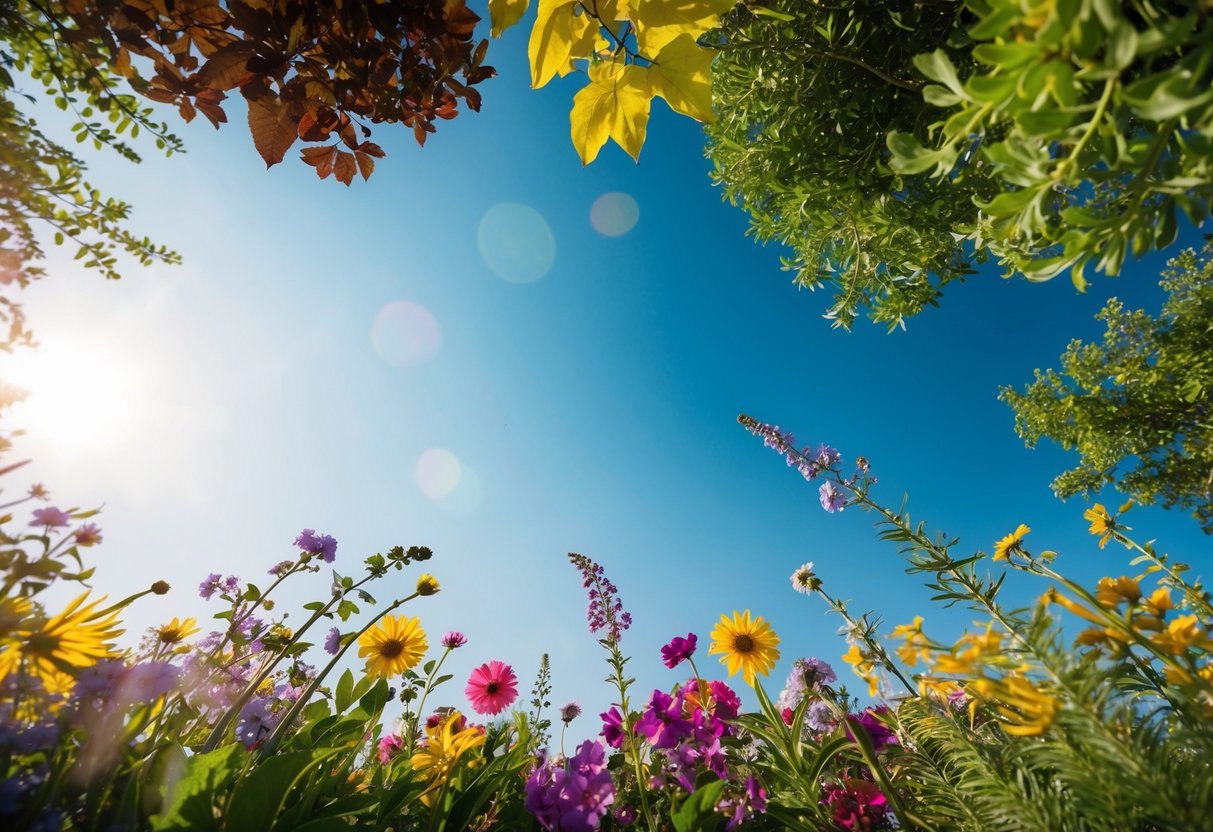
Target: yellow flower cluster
x: 917, y: 646
x: 445, y: 744
x: 863, y: 664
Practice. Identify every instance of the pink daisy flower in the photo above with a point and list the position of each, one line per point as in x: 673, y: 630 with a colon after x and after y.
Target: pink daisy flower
x: 492, y: 688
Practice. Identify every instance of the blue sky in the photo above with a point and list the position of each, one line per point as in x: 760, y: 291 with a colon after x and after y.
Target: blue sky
x: 241, y: 397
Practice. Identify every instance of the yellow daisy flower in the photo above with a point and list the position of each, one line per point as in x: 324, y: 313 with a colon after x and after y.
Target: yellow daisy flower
x: 1011, y: 543
x: 1103, y: 524
x: 77, y: 637
x: 427, y: 584
x: 176, y: 631
x: 747, y: 645
x: 445, y: 745
x: 392, y: 646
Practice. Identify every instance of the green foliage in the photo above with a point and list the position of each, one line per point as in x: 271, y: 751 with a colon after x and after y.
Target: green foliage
x: 805, y: 95
x: 1137, y: 407
x: 892, y: 145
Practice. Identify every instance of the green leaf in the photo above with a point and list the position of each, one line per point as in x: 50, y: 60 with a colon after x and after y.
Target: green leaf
x: 191, y: 800
x: 938, y: 67
x: 259, y: 797
x: 344, y: 694
x: 699, y: 805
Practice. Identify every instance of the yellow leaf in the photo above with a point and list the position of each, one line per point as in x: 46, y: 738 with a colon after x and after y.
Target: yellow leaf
x: 505, y: 13
x: 615, y: 104
x: 682, y: 75
x: 559, y: 36
x: 660, y: 21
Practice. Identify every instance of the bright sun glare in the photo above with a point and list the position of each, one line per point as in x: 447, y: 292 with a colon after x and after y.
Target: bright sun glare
x: 78, y: 395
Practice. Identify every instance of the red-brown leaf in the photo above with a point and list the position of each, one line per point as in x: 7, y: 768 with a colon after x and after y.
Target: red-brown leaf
x: 345, y: 167
x: 226, y: 69
x: 272, y: 127
x: 366, y: 164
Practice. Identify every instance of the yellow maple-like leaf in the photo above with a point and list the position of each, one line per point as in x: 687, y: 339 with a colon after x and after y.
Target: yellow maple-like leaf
x: 658, y: 22
x: 559, y: 35
x: 615, y: 105
x: 505, y: 13
x: 682, y: 75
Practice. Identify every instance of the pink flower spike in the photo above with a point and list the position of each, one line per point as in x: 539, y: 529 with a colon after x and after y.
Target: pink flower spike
x: 492, y: 688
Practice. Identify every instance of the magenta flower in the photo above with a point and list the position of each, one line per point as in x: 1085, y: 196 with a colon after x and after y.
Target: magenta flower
x: 875, y: 727
x: 832, y: 500
x: 856, y: 805
x: 728, y: 703
x: 50, y: 517
x: 322, y: 545
x: 492, y: 688
x: 613, y: 729
x: 454, y: 640
x: 678, y: 650
x: 574, y: 798
x: 662, y: 722
x: 88, y: 535
x: 389, y: 747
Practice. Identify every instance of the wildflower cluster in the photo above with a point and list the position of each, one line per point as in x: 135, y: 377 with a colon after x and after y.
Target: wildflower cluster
x: 604, y: 610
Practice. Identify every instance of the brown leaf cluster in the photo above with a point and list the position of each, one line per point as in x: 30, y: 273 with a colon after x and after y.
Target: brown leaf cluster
x: 316, y: 72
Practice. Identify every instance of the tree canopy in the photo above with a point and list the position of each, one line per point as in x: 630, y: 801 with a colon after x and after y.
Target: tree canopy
x: 1137, y: 407
x: 893, y: 145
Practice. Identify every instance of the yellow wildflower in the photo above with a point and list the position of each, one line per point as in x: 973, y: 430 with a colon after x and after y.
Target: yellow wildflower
x: 748, y: 645
x: 1027, y: 711
x: 1114, y: 591
x: 1103, y: 524
x: 177, y: 630
x: 917, y: 645
x: 1011, y: 543
x: 1052, y: 596
x: 445, y: 744
x: 864, y: 666
x: 77, y: 637
x: 1182, y: 634
x: 970, y: 651
x: 392, y: 646
x: 427, y: 584
x: 1159, y: 602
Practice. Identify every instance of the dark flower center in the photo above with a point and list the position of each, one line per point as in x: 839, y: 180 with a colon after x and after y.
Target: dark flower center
x: 391, y: 648
x: 42, y: 644
x: 743, y: 643
x: 491, y: 688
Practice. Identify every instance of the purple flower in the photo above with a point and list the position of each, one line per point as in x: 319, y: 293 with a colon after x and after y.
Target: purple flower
x: 454, y: 640
x: 207, y: 588
x: 662, y: 722
x: 832, y: 500
x: 728, y: 703
x: 876, y: 728
x: 820, y: 716
x: 570, y: 712
x: 613, y: 729
x: 574, y: 798
x: 332, y: 642
x: 317, y: 544
x: 256, y: 722
x: 87, y: 535
x: 279, y: 569
x: 148, y: 681
x: 604, y: 609
x: 625, y: 815
x: 50, y: 517
x: 753, y: 800
x: 99, y: 681
x: 827, y: 456
x: 678, y: 650
x: 230, y: 585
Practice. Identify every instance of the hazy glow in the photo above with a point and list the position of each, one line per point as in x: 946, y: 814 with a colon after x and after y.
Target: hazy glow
x: 614, y: 214
x: 516, y: 242
x: 79, y: 396
x: 405, y: 334
x: 438, y: 473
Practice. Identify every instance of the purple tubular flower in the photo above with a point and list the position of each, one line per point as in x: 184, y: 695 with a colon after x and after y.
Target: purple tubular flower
x: 604, y: 610
x: 454, y: 640
x: 832, y: 500
x: 827, y: 456
x: 662, y: 722
x: 678, y: 650
x: 332, y: 642
x: 613, y: 729
x: 570, y: 712
x: 207, y: 588
x: 323, y: 545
